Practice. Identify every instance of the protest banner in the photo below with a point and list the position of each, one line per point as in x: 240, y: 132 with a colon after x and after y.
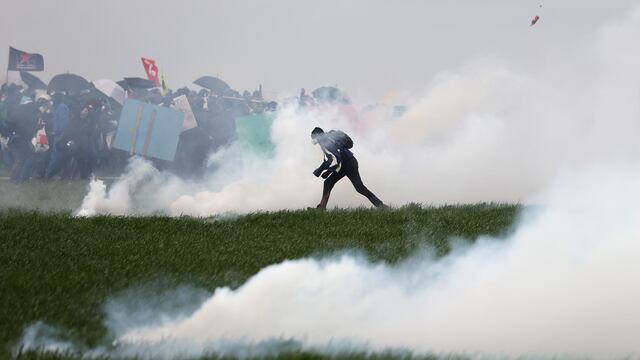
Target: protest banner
x: 149, y: 130
x: 181, y: 103
x: 254, y: 133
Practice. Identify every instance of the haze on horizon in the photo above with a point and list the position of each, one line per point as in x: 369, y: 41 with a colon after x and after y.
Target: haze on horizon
x: 368, y: 47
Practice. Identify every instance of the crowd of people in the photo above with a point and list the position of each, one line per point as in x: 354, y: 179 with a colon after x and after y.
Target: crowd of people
x: 67, y: 134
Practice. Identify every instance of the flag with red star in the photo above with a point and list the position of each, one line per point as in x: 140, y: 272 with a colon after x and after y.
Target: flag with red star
x: 23, y: 61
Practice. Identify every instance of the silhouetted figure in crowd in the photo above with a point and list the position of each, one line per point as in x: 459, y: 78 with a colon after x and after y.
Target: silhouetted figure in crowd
x: 59, y: 140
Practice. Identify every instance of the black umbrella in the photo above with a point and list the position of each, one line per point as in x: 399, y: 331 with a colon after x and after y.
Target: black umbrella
x: 90, y: 95
x: 330, y: 94
x: 213, y: 83
x: 136, y: 83
x: 32, y: 81
x: 69, y: 83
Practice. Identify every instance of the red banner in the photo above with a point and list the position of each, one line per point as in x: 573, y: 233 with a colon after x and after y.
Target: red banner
x: 152, y: 70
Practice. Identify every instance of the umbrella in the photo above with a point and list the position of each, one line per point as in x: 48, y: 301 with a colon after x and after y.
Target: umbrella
x: 111, y: 89
x: 69, y: 83
x: 330, y: 94
x: 90, y: 96
x: 32, y: 81
x: 213, y: 83
x: 136, y: 83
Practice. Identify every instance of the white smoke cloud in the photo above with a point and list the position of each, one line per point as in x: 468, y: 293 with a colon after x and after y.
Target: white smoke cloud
x: 562, y: 284
x: 489, y: 131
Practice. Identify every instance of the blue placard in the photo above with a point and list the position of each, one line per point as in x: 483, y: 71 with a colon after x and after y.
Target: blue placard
x: 148, y: 130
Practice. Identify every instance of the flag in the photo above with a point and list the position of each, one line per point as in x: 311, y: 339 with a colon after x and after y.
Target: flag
x: 23, y: 61
x: 152, y: 70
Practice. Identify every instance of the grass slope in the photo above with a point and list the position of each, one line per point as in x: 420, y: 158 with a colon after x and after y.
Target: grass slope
x: 61, y: 269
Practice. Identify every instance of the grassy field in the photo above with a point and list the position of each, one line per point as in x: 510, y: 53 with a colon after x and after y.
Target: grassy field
x: 61, y: 269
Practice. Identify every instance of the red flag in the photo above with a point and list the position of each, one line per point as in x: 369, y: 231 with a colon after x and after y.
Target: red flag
x: 152, y: 70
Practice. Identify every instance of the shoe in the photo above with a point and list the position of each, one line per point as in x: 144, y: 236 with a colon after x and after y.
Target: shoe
x: 317, y: 208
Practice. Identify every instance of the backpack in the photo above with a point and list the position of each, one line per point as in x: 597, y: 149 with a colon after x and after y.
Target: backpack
x: 342, y: 140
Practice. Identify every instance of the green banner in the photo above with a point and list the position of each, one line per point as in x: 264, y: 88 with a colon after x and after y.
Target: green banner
x: 254, y: 133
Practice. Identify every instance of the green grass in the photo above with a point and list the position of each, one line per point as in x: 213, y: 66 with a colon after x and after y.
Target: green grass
x: 61, y: 269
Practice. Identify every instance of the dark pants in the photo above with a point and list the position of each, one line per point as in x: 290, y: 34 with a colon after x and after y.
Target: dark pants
x: 84, y: 160
x: 349, y: 169
x: 21, y: 152
x: 58, y: 160
x: 5, y: 158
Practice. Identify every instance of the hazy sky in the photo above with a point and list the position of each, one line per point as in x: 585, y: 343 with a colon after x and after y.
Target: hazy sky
x: 366, y: 46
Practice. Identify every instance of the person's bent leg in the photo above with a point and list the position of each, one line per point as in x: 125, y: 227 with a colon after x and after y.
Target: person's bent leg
x: 354, y: 175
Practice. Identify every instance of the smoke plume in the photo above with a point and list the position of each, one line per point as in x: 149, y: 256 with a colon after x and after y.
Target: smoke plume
x: 562, y: 284
x: 490, y: 130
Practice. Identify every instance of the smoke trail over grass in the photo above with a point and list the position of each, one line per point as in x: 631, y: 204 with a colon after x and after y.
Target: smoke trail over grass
x: 563, y: 283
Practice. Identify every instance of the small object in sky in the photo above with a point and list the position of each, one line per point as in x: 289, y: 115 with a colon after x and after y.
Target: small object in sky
x: 535, y: 20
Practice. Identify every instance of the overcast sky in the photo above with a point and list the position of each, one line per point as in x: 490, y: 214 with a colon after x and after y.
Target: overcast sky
x: 366, y: 46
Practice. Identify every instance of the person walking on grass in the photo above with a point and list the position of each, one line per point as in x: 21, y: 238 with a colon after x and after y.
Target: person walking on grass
x: 338, y: 163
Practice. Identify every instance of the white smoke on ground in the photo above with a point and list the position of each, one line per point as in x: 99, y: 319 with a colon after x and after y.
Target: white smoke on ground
x: 242, y: 181
x: 45, y: 338
x: 491, y: 130
x: 563, y: 283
